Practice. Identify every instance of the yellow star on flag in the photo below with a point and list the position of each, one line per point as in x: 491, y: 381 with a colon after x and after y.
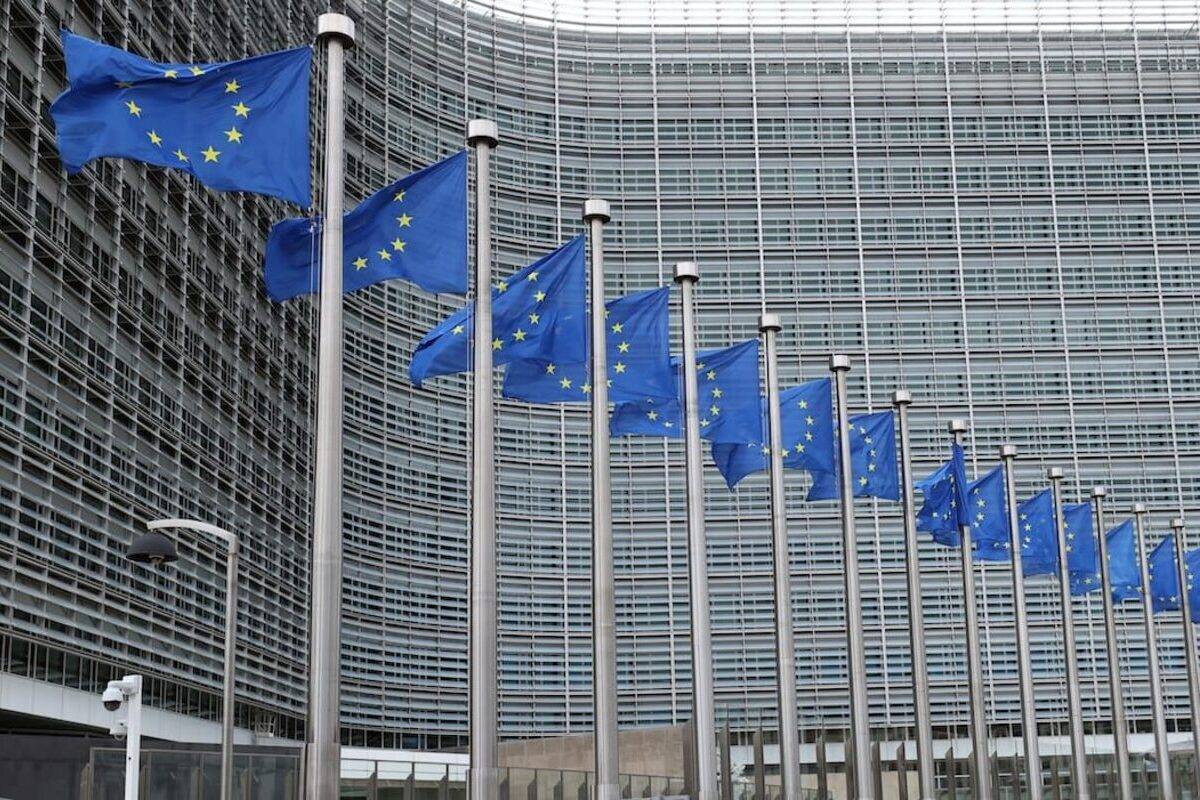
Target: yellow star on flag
x: 533, y: 276
x: 539, y: 296
x: 497, y: 344
x: 182, y: 156
x: 519, y: 335
x: 712, y: 375
x: 550, y: 368
x: 398, y: 244
x: 196, y: 70
x: 134, y: 108
x: 587, y: 388
x: 623, y: 347
x: 360, y: 263
x: 210, y: 154
x: 171, y: 73
x: 652, y: 415
x: 619, y: 367
x: 405, y: 220
x: 457, y: 330
x: 385, y: 255
x: 399, y: 196
x: 231, y: 87
x: 241, y: 109
x: 565, y: 383
x: 617, y: 327
x: 234, y: 135
x: 533, y: 319
x: 155, y: 138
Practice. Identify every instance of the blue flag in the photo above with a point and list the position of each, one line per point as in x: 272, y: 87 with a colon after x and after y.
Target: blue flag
x: 1039, y: 535
x: 988, y: 512
x: 539, y: 312
x: 944, y: 509
x: 1191, y: 565
x: 1124, y: 576
x: 415, y: 228
x: 873, y: 467
x: 638, y: 358
x: 234, y: 125
x: 729, y: 401
x: 1083, y: 552
x: 806, y: 422
x: 1164, y: 576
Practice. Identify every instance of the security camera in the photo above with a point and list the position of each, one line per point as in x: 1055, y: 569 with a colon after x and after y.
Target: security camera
x: 113, y: 697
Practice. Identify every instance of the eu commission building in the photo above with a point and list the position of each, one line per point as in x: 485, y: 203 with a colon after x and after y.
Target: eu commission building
x: 996, y: 214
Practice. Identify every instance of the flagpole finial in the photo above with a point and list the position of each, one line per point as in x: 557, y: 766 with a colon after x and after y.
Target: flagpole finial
x: 482, y: 131
x: 839, y: 363
x: 596, y: 208
x: 769, y: 322
x: 1099, y: 492
x: 687, y: 271
x: 1054, y: 473
x: 1008, y: 451
x: 957, y: 425
x: 339, y: 25
x: 1177, y: 523
x: 902, y: 397
x: 1140, y: 508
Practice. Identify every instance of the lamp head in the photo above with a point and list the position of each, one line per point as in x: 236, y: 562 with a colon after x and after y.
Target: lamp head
x: 152, y: 548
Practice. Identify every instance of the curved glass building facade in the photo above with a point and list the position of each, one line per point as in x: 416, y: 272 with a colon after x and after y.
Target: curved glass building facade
x: 998, y: 217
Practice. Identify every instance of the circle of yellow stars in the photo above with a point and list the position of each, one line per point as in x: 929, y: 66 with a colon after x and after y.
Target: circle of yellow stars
x: 210, y: 154
x: 397, y: 245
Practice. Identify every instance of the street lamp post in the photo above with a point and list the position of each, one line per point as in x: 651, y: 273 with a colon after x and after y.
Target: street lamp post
x: 155, y: 549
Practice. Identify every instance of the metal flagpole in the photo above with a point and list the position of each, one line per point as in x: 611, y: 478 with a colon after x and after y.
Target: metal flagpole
x: 979, y: 730
x: 323, y: 758
x: 1029, y: 729
x: 1116, y: 696
x: 1166, y: 789
x: 483, y: 778
x: 785, y: 637
x: 926, y: 787
x: 1079, y: 775
x: 703, y: 715
x: 859, y: 747
x: 1189, y: 643
x: 604, y: 636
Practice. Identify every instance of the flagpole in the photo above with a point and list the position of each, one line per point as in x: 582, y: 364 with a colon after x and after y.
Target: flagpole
x: 482, y: 135
x: 703, y: 714
x: 1189, y: 643
x: 1162, y: 750
x: 927, y: 790
x: 323, y: 758
x: 1116, y: 695
x: 604, y: 637
x: 785, y: 637
x: 1079, y: 777
x: 859, y: 746
x: 979, y: 731
x: 1029, y: 729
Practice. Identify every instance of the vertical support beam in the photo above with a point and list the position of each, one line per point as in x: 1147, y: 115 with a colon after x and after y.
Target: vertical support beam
x: 1029, y: 727
x: 703, y: 714
x: 901, y: 400
x: 979, y: 728
x: 785, y: 637
x: 483, y: 777
x: 760, y: 766
x: 858, y: 754
x: 604, y: 627
x: 1161, y: 749
x: 1189, y: 643
x: 229, y: 696
x: 336, y: 32
x: 726, y: 764
x: 1116, y: 695
x: 1079, y: 772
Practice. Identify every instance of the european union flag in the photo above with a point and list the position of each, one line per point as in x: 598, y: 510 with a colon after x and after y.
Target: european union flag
x: 806, y: 422
x: 1164, y: 576
x: 235, y: 125
x: 1083, y: 552
x: 873, y: 467
x: 987, y: 510
x: 1191, y: 565
x: 944, y: 509
x: 540, y: 312
x: 1039, y: 535
x: 729, y: 401
x: 415, y: 228
x: 638, y: 358
x: 1124, y: 576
